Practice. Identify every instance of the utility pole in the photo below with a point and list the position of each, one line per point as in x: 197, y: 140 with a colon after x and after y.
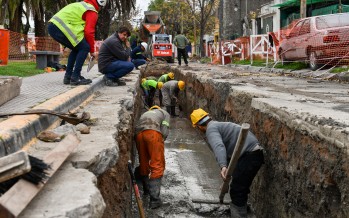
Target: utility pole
x: 340, y: 6
x: 303, y: 9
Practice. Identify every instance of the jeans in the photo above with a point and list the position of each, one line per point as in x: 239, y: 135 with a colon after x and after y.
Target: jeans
x: 182, y: 52
x: 246, y: 169
x: 138, y: 62
x: 118, y: 69
x: 77, y: 55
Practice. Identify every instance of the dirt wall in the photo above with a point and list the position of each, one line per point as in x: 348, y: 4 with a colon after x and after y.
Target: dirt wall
x: 303, y: 175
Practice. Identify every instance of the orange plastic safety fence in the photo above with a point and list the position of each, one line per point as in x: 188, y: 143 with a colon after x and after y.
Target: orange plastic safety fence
x: 20, y: 45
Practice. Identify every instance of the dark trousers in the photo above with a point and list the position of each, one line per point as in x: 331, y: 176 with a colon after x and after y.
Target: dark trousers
x: 118, y: 69
x: 243, y: 175
x: 77, y: 55
x: 182, y: 52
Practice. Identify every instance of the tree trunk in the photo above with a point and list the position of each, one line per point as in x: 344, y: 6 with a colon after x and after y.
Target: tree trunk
x: 103, y: 24
x: 16, y: 22
x: 39, y: 22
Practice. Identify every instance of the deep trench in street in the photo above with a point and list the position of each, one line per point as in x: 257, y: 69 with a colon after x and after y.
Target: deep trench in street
x: 304, y: 174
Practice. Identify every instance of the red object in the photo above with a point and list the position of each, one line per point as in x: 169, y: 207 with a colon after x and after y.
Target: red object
x: 4, y: 46
x: 162, y: 50
x: 91, y: 20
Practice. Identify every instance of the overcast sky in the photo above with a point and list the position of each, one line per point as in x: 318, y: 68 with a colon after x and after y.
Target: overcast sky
x: 143, y: 5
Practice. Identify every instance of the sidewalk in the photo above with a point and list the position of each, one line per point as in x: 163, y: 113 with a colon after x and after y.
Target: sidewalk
x: 43, y: 91
x: 39, y: 88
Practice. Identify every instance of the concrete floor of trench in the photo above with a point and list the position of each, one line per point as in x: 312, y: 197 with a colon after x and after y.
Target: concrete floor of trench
x: 191, y: 176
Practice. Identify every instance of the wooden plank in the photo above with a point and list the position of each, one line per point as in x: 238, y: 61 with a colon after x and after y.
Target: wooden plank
x: 13, y: 202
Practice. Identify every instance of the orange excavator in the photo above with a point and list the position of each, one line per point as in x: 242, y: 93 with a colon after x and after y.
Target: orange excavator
x: 152, y: 31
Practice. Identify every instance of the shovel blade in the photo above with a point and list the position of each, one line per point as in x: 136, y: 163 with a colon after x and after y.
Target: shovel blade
x: 14, y: 165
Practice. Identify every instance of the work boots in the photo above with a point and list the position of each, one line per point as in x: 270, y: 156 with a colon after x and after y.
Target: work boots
x: 145, y: 184
x: 238, y: 212
x: 154, y: 192
x: 168, y: 109
x: 173, y: 111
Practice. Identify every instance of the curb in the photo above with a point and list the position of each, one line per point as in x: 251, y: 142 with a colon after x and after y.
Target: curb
x: 18, y: 130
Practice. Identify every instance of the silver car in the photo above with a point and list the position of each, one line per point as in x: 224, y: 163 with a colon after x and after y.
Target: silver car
x: 318, y: 40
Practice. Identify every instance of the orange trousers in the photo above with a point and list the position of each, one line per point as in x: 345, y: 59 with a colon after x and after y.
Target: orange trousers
x: 151, y: 152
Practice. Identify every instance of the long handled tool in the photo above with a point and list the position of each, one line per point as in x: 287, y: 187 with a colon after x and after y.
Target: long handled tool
x: 16, y: 199
x: 66, y: 117
x: 135, y: 188
x: 234, y: 159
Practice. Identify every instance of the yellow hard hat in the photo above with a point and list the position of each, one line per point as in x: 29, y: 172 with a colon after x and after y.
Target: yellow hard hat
x: 171, y: 75
x: 197, y: 115
x: 154, y: 107
x: 181, y: 85
x: 143, y: 80
x: 160, y: 84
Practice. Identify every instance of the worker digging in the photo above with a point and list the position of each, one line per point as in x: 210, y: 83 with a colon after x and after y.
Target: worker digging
x: 151, y: 131
x: 170, y: 95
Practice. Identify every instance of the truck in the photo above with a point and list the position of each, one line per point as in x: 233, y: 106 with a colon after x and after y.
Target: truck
x: 152, y: 31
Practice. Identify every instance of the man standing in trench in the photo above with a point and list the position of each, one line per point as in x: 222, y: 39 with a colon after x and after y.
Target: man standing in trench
x: 151, y: 131
x: 222, y: 137
x: 170, y: 92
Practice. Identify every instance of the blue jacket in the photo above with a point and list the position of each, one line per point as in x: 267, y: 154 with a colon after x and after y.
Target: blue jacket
x: 137, y: 53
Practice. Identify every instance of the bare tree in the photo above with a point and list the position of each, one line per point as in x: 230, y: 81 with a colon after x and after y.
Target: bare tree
x: 205, y: 10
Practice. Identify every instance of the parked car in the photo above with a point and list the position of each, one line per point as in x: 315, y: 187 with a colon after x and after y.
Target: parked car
x: 318, y: 40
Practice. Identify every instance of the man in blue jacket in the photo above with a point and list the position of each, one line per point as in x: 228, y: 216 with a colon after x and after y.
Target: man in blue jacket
x: 114, y: 57
x: 137, y: 56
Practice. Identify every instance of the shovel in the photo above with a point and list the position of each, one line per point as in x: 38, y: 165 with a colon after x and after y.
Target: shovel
x: 66, y: 117
x: 91, y: 63
x: 14, y: 165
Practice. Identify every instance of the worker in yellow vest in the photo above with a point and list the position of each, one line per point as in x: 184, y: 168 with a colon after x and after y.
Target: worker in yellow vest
x: 74, y: 27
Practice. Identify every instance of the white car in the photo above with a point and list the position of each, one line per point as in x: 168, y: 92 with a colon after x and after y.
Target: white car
x: 318, y: 40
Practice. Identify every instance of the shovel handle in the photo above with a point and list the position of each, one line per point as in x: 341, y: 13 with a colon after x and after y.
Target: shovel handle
x: 136, y: 190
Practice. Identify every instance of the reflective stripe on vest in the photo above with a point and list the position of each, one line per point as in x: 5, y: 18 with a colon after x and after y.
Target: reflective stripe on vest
x: 69, y: 21
x: 165, y: 123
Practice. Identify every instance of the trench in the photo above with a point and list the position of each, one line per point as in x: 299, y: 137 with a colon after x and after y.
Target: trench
x: 303, y: 175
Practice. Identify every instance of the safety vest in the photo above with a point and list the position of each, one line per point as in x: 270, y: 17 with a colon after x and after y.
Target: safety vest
x: 163, y: 78
x: 146, y: 84
x: 69, y: 21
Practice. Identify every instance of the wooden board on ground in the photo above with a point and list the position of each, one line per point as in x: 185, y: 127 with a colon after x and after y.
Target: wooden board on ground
x: 13, y: 202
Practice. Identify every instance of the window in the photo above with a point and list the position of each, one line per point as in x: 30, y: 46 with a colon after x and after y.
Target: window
x: 331, y: 21
x: 305, y: 27
x: 296, y: 29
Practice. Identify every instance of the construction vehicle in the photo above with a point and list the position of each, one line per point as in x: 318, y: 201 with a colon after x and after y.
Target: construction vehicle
x: 152, y: 31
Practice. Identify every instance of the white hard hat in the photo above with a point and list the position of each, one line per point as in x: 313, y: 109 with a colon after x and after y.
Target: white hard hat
x: 102, y: 3
x: 145, y: 45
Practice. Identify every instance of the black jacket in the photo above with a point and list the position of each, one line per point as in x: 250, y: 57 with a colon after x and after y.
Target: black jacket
x: 112, y: 49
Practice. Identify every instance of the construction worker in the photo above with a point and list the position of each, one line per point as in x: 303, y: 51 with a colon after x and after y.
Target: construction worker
x: 180, y: 41
x: 222, y: 137
x: 170, y: 91
x: 74, y: 28
x: 149, y: 87
x: 151, y: 131
x: 114, y: 58
x: 137, y: 56
x: 164, y: 78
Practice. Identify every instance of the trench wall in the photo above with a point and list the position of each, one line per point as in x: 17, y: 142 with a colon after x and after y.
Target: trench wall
x: 304, y: 175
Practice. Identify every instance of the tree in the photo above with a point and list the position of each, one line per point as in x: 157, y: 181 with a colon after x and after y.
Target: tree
x: 205, y: 10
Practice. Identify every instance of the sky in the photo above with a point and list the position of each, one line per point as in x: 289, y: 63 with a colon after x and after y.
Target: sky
x: 143, y: 5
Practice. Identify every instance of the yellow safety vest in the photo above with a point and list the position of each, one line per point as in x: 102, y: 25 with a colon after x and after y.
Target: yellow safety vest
x: 69, y: 21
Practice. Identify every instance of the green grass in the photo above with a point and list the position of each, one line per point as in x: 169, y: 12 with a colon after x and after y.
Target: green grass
x: 21, y: 69
x: 205, y: 60
x: 292, y: 66
x: 340, y: 69
x: 262, y: 63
